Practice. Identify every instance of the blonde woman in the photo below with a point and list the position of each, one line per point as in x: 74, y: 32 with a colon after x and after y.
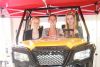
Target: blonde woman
x: 35, y: 30
x: 71, y: 25
x: 35, y: 22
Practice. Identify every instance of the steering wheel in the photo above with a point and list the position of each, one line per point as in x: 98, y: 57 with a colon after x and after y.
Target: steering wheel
x: 68, y: 30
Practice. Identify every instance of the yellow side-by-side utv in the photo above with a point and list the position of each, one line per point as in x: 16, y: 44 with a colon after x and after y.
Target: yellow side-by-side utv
x: 46, y: 52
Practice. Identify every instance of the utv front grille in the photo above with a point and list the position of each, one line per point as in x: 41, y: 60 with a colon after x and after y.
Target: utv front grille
x: 50, y: 55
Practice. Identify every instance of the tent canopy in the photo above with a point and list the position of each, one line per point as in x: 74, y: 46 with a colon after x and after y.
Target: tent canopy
x: 16, y: 7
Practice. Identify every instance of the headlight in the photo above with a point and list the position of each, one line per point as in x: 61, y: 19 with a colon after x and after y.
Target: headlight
x: 81, y: 55
x: 21, y: 56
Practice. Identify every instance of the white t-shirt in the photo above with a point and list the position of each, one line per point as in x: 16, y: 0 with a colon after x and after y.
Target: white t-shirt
x: 35, y: 34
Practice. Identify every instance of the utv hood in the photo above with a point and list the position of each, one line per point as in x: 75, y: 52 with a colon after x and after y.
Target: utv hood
x: 44, y: 42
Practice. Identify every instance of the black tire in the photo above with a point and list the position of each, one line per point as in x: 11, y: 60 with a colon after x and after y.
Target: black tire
x: 77, y: 65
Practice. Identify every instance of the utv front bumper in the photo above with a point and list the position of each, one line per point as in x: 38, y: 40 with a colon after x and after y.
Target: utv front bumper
x: 54, y: 56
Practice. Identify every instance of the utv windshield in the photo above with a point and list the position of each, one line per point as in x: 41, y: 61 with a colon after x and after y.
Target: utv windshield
x: 53, y: 25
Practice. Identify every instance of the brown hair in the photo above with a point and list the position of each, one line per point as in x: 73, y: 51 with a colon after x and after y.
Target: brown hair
x: 35, y: 17
x: 53, y: 15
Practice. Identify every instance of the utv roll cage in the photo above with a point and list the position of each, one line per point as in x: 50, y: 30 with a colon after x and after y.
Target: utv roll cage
x: 27, y: 16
